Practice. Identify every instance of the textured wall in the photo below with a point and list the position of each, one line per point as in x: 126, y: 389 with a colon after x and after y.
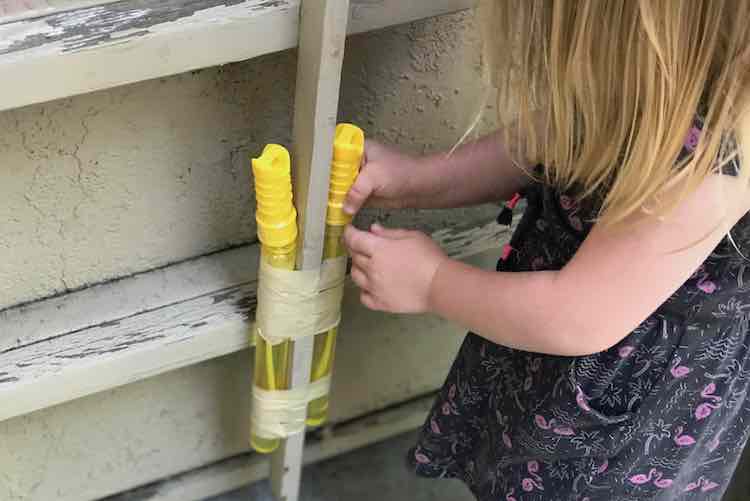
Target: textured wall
x: 121, y: 181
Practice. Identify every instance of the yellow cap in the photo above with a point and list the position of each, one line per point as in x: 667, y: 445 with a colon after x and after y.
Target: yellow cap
x: 348, y: 148
x: 275, y: 213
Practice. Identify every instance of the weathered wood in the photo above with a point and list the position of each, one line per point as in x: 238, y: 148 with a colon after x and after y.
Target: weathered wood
x: 69, y: 52
x: 15, y: 10
x: 246, y: 469
x: 198, y: 415
x: 322, y: 39
x: 41, y: 320
x: 142, y: 339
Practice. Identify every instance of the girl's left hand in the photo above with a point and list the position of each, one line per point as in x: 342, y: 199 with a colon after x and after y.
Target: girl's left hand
x: 394, y: 268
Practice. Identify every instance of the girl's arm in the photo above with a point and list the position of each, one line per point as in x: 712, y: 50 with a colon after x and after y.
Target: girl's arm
x: 477, y: 172
x: 616, y: 280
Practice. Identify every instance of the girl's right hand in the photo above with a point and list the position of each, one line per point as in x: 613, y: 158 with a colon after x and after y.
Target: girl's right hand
x: 384, y: 181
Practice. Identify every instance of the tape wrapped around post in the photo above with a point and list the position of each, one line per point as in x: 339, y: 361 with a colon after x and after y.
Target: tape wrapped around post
x: 281, y: 413
x: 297, y: 304
x: 293, y: 305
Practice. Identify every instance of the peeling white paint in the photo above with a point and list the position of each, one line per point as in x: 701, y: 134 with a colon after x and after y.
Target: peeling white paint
x: 11, y: 34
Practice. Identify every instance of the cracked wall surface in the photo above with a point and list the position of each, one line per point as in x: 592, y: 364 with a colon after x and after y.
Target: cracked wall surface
x: 117, y: 182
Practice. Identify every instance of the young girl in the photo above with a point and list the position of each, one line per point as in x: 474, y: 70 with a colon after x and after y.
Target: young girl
x: 611, y: 359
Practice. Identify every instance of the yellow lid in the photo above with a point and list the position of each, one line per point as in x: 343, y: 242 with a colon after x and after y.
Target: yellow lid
x: 275, y: 213
x: 348, y: 148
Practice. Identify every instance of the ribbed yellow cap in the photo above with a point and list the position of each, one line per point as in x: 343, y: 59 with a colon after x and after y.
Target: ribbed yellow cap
x: 348, y: 148
x: 275, y: 213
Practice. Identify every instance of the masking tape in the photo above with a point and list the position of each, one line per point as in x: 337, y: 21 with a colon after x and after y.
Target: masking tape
x: 281, y: 413
x: 297, y: 304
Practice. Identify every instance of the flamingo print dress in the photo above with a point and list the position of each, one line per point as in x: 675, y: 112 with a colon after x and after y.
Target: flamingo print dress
x: 663, y: 415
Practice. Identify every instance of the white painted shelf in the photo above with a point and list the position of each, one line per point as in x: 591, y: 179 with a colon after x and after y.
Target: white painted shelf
x: 80, y: 46
x: 109, y: 335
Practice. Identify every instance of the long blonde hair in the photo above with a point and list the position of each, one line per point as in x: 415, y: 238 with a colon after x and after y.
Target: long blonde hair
x: 606, y: 91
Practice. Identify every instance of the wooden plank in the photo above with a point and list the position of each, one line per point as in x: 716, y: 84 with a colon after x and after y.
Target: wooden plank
x: 198, y: 415
x: 322, y: 39
x: 122, y: 349
x: 246, y: 469
x: 41, y: 320
x: 15, y: 10
x: 71, y: 52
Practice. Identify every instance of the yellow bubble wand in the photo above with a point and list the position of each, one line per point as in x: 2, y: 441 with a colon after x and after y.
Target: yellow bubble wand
x: 277, y: 231
x: 348, y: 148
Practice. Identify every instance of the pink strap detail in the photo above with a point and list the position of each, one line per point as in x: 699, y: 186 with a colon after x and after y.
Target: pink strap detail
x: 513, y: 201
x: 507, y: 249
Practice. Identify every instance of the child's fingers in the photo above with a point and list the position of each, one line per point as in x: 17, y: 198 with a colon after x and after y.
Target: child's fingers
x: 396, y: 234
x: 360, y: 278
x: 369, y: 301
x: 358, y: 194
x: 360, y: 242
x: 361, y: 261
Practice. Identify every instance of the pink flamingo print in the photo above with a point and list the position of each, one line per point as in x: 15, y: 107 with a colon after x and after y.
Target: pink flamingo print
x: 529, y: 484
x: 575, y: 222
x: 603, y: 467
x: 706, y: 408
x: 708, y: 392
x: 708, y: 485
x: 434, y: 426
x: 707, y: 286
x: 679, y: 371
x: 506, y: 441
x: 570, y: 205
x: 421, y: 458
x: 625, y: 351
x: 551, y: 425
x: 681, y: 439
x: 653, y: 474
x: 704, y: 484
x: 541, y: 422
x: 704, y: 284
x: 581, y: 399
x: 693, y: 136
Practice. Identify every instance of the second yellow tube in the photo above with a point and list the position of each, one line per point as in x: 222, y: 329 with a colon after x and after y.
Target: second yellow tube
x: 348, y: 149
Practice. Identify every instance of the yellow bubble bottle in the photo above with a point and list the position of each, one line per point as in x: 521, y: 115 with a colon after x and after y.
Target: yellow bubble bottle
x: 277, y: 231
x: 348, y: 148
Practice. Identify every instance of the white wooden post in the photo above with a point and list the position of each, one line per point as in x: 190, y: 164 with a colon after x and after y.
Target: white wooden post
x: 322, y: 36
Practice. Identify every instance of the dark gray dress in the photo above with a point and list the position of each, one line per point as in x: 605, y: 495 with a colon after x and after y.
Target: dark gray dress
x: 661, y: 415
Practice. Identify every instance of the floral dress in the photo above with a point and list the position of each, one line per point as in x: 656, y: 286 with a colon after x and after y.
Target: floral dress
x: 663, y: 414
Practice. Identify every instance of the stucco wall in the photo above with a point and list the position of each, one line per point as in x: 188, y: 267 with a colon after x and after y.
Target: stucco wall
x: 121, y: 181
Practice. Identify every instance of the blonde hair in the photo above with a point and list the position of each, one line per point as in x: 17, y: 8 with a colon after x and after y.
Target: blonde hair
x: 606, y: 91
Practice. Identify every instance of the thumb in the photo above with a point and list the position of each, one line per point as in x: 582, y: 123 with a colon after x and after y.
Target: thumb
x: 393, y: 234
x: 358, y: 194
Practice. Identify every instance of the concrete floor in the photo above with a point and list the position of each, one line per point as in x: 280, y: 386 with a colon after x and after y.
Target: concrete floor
x: 377, y: 473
